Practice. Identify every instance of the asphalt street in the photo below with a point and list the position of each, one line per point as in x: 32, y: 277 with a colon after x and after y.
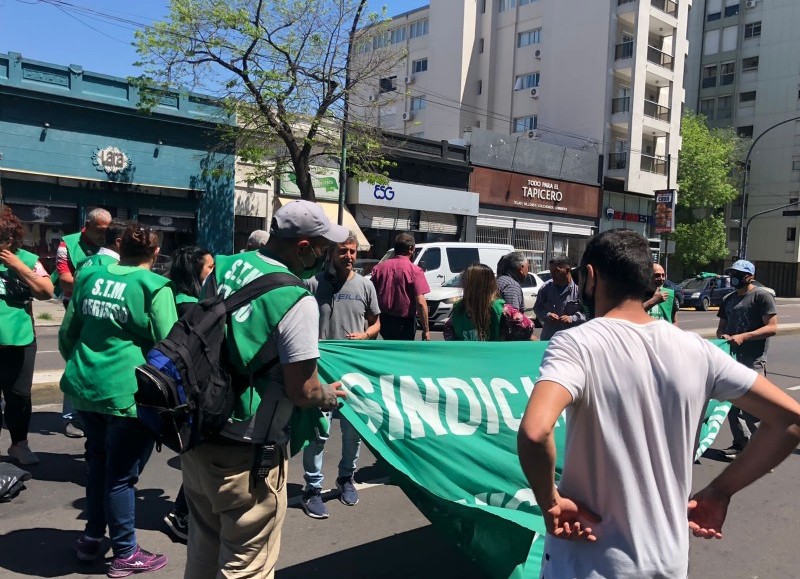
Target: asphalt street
x: 384, y: 536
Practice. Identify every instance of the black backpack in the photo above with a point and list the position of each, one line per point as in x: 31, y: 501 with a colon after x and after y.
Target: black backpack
x: 187, y: 389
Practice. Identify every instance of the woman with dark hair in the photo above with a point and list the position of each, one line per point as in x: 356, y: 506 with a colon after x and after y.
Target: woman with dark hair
x: 22, y: 278
x: 190, y: 268
x: 117, y: 313
x: 481, y: 316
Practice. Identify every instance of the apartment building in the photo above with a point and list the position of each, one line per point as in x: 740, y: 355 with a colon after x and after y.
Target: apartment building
x: 601, y: 75
x: 745, y: 74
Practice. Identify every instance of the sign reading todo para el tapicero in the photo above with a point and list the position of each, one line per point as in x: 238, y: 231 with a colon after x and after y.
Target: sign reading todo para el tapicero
x: 664, y: 218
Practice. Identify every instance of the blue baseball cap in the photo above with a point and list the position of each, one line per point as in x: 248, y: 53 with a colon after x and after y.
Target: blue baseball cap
x: 742, y: 266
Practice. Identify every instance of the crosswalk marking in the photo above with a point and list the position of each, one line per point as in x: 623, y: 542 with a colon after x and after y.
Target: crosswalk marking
x: 794, y: 387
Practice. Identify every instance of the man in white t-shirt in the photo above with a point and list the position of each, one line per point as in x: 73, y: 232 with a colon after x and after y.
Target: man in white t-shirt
x: 634, y: 400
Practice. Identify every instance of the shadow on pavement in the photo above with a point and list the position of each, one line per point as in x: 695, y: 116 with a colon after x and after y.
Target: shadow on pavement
x: 47, y: 423
x: 44, y: 552
x: 428, y: 556
x: 56, y: 467
x: 716, y: 454
x: 152, y: 505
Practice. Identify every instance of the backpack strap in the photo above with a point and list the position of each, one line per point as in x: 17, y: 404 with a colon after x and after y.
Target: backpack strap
x: 259, y: 287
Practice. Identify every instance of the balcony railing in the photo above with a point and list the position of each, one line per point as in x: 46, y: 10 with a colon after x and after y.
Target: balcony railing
x: 624, y: 50
x: 617, y: 160
x: 658, y: 57
x: 667, y: 6
x: 727, y: 78
x: 657, y: 165
x: 709, y: 81
x: 656, y: 111
x: 621, y: 105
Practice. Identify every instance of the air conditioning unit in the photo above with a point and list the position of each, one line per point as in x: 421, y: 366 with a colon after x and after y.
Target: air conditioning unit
x: 408, y: 79
x: 538, y: 54
x: 533, y: 135
x: 535, y: 93
x: 372, y: 98
x: 750, y: 3
x: 408, y: 116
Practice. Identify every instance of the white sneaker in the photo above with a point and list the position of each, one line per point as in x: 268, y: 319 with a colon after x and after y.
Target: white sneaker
x: 21, y: 452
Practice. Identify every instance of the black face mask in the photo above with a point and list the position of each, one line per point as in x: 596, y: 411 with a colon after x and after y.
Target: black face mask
x: 310, y: 271
x: 738, y: 281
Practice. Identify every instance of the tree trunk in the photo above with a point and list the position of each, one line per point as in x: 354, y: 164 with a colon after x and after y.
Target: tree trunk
x: 303, y: 174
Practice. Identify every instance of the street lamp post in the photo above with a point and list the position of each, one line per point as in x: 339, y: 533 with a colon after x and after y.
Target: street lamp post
x: 742, y: 249
x: 743, y: 252
x: 346, y: 112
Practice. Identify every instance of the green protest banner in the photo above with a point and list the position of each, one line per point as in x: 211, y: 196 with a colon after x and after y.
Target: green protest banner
x: 444, y: 416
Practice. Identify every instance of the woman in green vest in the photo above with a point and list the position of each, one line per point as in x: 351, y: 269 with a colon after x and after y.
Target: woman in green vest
x: 190, y: 267
x: 481, y: 316
x: 22, y: 278
x: 117, y: 313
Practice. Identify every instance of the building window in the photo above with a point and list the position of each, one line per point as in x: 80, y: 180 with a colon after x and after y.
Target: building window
x: 420, y: 65
x: 712, y: 16
x: 480, y: 87
x: 728, y: 73
x: 480, y: 46
x: 529, y: 37
x: 526, y: 81
x: 707, y: 108
x: 745, y: 132
x: 724, y: 107
x: 752, y: 30
x: 504, y: 5
x: 730, y: 34
x: 732, y: 9
x: 747, y: 97
x: 711, y: 42
x: 418, y: 28
x: 381, y: 40
x: 709, y: 76
x: 418, y: 103
x: 750, y: 63
x: 791, y: 233
x: 388, y: 84
x: 398, y: 35
x: 525, y: 123
x: 483, y: 6
x: 364, y: 46
x: 796, y: 164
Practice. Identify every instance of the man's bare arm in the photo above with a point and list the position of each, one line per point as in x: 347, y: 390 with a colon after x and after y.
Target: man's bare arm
x: 304, y: 389
x: 422, y: 314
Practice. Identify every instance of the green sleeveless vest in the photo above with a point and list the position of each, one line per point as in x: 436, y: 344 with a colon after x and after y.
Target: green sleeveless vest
x: 251, y: 326
x: 114, y: 306
x: 96, y: 260
x: 663, y: 310
x: 464, y: 328
x: 77, y: 251
x: 16, y: 320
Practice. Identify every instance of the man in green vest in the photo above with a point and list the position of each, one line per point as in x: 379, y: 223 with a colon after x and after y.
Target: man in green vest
x: 236, y: 486
x: 664, y: 304
x: 74, y: 249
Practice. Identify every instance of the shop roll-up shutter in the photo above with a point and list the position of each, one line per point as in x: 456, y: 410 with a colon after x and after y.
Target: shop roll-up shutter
x: 433, y: 222
x: 508, y: 222
x: 564, y: 229
x: 383, y: 217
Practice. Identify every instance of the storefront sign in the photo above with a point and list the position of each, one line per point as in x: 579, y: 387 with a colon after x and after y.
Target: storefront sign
x: 399, y: 195
x: 665, y: 211
x: 325, y: 183
x: 111, y: 160
x: 535, y: 194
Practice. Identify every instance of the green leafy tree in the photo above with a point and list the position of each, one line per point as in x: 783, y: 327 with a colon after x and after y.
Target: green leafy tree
x: 280, y: 66
x: 708, y: 175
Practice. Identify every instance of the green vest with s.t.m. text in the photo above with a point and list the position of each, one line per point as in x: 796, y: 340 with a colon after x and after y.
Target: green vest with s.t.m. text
x: 252, y: 325
x: 664, y: 310
x: 464, y: 328
x: 116, y: 315
x: 16, y: 320
x: 96, y: 260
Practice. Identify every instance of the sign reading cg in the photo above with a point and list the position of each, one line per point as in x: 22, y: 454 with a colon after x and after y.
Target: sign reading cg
x: 383, y: 192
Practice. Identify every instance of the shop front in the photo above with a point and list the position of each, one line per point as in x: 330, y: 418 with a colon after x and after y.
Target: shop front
x: 72, y: 141
x: 543, y: 217
x: 429, y: 213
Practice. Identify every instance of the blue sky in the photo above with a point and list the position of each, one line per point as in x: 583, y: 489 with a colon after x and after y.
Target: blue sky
x: 42, y: 31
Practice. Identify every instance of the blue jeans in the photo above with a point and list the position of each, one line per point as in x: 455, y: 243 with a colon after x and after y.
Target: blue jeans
x: 312, y: 455
x: 117, y: 449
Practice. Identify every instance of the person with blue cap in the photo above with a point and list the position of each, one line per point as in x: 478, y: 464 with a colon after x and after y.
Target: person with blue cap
x: 748, y: 317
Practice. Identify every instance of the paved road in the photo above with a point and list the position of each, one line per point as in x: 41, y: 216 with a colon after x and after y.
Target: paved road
x: 384, y: 536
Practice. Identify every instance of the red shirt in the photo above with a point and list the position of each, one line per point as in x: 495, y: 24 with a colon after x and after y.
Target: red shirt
x: 398, y: 282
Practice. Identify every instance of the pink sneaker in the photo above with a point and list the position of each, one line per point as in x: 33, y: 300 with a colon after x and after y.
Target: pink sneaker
x: 140, y: 561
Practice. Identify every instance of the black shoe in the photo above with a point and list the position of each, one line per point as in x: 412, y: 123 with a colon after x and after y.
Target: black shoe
x: 732, y: 451
x: 178, y: 525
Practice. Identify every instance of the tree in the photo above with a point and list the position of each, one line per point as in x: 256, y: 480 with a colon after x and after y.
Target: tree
x: 279, y: 66
x: 708, y: 173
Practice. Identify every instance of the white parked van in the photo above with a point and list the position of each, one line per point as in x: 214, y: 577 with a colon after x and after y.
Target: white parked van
x: 444, y: 260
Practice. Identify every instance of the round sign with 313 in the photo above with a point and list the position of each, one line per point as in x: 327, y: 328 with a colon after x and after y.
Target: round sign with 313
x: 383, y: 192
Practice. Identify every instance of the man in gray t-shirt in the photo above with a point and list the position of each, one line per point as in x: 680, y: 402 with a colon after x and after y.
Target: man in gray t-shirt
x: 747, y: 319
x: 348, y: 310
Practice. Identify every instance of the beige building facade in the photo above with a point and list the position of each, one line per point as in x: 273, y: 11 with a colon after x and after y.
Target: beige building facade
x: 600, y: 75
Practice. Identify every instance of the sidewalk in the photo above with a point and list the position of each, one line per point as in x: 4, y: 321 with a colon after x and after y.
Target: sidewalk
x: 47, y: 313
